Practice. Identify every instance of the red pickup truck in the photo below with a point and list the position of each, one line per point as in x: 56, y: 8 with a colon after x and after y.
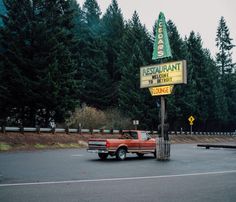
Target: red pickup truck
x: 131, y: 141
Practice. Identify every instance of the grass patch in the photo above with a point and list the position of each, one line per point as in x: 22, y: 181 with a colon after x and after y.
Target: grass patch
x: 4, y: 146
x: 58, y: 146
x: 68, y: 145
x: 40, y: 146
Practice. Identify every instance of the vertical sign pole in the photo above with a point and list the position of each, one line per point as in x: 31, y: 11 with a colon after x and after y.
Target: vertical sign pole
x: 164, y: 143
x: 162, y: 115
x: 161, y: 149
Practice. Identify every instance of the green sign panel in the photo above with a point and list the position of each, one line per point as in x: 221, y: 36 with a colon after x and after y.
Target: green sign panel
x: 161, y: 47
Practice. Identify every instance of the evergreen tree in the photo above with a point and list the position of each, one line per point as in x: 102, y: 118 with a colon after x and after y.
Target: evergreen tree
x: 112, y: 31
x: 136, y: 52
x: 179, y: 99
x: 224, y: 44
x: 207, y: 92
x: 38, y: 66
x: 92, y: 14
x: 225, y: 65
x: 95, y: 82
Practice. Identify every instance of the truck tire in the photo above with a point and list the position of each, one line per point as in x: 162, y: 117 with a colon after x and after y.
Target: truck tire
x: 121, y: 154
x: 103, y: 156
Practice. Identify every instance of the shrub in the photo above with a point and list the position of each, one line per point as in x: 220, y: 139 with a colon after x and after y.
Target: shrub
x: 116, y: 120
x: 88, y: 117
x: 92, y: 118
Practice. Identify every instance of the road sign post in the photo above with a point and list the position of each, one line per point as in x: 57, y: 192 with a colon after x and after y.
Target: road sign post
x: 191, y: 120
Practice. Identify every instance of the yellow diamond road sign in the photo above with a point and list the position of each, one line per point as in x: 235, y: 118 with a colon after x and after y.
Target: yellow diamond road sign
x: 191, y: 119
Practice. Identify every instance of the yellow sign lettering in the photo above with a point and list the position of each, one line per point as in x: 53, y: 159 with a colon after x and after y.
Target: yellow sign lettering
x: 163, y: 90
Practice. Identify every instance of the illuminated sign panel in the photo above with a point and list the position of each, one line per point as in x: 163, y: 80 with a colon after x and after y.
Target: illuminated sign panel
x: 163, y: 74
x: 162, y: 90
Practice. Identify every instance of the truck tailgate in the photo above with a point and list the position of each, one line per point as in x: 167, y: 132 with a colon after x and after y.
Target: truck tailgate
x: 98, y: 146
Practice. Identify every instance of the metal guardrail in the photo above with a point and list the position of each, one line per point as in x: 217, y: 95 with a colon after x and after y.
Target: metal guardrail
x: 103, y: 131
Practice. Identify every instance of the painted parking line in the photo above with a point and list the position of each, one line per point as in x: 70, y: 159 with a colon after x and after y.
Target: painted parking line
x: 117, y: 179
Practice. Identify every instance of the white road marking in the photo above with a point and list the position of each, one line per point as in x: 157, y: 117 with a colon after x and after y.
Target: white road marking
x: 117, y: 179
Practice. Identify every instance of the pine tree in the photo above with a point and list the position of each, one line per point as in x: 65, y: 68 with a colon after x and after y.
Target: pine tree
x: 177, y: 101
x: 92, y: 14
x: 226, y: 67
x: 95, y: 82
x: 38, y: 66
x: 204, y: 76
x: 112, y: 31
x: 2, y: 11
x: 135, y: 52
x: 224, y: 44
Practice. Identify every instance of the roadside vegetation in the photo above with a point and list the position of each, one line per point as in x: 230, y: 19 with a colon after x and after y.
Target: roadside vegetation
x: 90, y: 118
x: 58, y: 56
x: 4, y: 147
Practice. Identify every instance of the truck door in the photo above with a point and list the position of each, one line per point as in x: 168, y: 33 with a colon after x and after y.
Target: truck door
x: 146, y: 142
x: 133, y: 141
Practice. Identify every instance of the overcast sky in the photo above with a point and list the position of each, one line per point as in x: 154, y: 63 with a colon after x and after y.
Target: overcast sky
x: 201, y: 16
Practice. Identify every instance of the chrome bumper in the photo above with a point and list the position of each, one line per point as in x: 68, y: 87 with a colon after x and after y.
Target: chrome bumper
x: 97, y: 151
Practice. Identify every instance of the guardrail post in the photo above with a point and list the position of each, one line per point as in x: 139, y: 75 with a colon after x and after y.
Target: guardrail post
x: 112, y: 131
x: 3, y: 129
x: 21, y: 129
x: 67, y: 130
x: 79, y: 129
x: 37, y: 129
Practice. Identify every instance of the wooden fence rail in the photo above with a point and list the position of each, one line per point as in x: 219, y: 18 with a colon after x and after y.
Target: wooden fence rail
x: 67, y: 130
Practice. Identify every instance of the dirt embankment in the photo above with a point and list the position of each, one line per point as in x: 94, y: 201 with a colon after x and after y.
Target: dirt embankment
x: 18, y: 141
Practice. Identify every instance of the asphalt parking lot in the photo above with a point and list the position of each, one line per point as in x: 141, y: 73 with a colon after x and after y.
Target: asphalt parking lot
x: 192, y: 174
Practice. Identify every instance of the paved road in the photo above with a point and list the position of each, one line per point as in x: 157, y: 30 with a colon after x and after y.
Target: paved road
x: 192, y: 174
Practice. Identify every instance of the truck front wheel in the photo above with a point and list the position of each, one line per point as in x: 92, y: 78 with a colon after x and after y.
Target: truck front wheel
x: 103, y: 156
x: 121, y: 154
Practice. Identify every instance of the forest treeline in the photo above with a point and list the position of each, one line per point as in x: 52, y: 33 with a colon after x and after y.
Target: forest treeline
x: 57, y: 55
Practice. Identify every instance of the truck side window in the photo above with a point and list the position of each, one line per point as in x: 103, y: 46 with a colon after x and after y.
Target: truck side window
x: 144, y: 135
x: 134, y: 135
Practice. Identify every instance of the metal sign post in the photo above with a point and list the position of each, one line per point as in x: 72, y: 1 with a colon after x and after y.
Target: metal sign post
x: 191, y: 120
x: 164, y: 143
x: 135, y: 123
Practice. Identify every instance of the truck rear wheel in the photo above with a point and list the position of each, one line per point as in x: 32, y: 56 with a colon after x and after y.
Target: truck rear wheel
x: 121, y: 154
x: 103, y: 156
